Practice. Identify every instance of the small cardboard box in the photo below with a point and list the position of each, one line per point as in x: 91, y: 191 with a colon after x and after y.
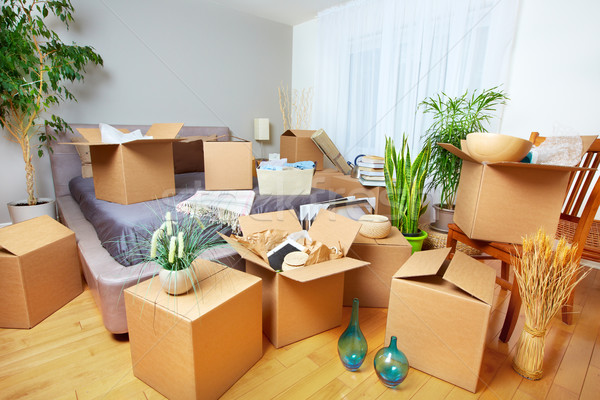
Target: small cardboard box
x: 371, y: 284
x: 40, y: 263
x: 196, y: 345
x: 300, y: 303
x: 228, y: 165
x: 439, y: 311
x: 296, y: 145
x: 290, y: 181
x: 505, y: 201
x: 135, y: 171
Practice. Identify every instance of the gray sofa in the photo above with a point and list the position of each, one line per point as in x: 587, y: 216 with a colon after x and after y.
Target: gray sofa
x: 105, y: 277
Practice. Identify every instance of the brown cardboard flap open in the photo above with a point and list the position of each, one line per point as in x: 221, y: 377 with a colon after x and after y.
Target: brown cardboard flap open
x: 164, y: 131
x: 323, y: 269
x: 284, y: 220
x: 298, y: 133
x: 472, y: 276
x: 93, y: 135
x: 457, y: 152
x: 423, y: 263
x: 333, y: 229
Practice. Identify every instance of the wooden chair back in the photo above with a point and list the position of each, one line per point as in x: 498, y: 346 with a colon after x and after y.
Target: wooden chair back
x: 582, y: 199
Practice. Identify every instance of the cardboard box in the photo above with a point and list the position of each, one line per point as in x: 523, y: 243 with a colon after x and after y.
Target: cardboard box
x: 291, y: 181
x: 306, y: 301
x: 505, y: 201
x: 439, y: 311
x: 296, y: 145
x: 135, y: 171
x: 228, y: 165
x: 196, y: 345
x: 371, y: 284
x: 39, y: 260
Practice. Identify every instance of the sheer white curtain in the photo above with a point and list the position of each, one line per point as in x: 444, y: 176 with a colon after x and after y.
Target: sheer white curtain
x: 378, y: 59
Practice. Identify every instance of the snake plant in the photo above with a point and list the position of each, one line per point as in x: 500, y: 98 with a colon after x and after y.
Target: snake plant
x: 405, y: 181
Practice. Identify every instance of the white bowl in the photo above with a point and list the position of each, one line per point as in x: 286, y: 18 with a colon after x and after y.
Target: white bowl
x: 495, y: 147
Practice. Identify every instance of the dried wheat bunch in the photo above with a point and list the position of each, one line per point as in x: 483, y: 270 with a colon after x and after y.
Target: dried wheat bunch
x: 546, y: 277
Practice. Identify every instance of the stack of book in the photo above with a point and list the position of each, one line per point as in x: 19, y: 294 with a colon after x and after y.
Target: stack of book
x: 370, y: 171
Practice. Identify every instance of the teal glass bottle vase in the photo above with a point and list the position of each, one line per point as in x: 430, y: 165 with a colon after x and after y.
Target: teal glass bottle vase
x: 391, y: 365
x: 352, y: 345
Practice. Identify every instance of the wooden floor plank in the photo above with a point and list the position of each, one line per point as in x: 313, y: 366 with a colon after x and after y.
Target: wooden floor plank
x: 70, y: 355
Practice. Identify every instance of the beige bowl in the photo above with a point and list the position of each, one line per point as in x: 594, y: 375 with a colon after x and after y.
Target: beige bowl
x: 374, y: 226
x: 495, y: 147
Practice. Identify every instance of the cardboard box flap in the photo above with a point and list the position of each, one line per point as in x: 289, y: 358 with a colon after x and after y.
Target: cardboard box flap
x: 458, y: 152
x: 189, y: 139
x: 164, y: 131
x: 35, y: 233
x: 285, y: 220
x: 298, y: 133
x: 244, y: 252
x: 423, y: 263
x: 331, y: 228
x: 323, y: 269
x: 472, y: 276
x: 93, y: 135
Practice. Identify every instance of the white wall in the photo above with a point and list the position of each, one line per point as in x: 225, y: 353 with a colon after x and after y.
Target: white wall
x: 195, y: 62
x: 554, y: 77
x: 555, y: 71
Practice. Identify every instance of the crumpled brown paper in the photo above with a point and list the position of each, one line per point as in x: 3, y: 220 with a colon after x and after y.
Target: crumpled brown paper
x: 260, y: 243
x: 319, y: 252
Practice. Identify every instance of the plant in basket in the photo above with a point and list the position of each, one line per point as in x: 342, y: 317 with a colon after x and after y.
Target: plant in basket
x: 405, y: 182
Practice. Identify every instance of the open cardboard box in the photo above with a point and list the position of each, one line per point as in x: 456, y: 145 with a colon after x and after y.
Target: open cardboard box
x: 41, y: 271
x: 439, y: 310
x: 306, y: 301
x: 135, y: 171
x: 505, y: 201
x: 297, y: 145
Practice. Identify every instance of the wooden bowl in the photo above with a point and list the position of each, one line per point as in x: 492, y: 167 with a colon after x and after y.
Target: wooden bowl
x: 374, y: 226
x: 495, y: 147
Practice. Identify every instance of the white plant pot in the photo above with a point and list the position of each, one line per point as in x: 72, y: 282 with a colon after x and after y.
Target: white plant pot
x: 177, y: 282
x: 20, y: 211
x: 443, y: 217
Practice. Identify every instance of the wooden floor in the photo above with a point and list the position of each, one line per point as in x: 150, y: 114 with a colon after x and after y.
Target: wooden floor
x: 71, y: 356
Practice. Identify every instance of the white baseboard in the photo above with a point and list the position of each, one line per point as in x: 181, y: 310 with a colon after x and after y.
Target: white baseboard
x: 5, y: 224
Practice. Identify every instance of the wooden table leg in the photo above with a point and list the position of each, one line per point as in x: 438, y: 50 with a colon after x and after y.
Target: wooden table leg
x: 512, y: 313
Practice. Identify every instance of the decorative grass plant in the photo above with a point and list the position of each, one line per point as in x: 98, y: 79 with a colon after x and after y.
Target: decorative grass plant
x: 546, y: 277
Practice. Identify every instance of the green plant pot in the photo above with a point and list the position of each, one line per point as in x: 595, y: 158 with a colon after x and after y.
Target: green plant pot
x: 416, y: 240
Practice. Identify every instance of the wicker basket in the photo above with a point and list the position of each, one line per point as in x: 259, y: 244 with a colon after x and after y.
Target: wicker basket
x: 437, y: 240
x: 375, y: 226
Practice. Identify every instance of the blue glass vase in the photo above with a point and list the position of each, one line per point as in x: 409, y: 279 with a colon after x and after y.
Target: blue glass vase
x: 391, y: 365
x: 352, y: 345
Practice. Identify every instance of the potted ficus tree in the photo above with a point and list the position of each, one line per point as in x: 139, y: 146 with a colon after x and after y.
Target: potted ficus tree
x: 453, y: 119
x: 35, y: 70
x: 405, y: 184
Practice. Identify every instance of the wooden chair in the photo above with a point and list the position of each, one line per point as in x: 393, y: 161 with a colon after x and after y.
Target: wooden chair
x: 575, y: 224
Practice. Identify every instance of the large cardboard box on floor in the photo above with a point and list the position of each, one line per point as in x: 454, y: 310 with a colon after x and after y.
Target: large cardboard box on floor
x: 41, y: 271
x: 371, y: 284
x: 439, y: 311
x: 505, y: 201
x: 135, y: 171
x: 196, y: 345
x: 228, y: 165
x: 296, y: 145
x: 306, y: 301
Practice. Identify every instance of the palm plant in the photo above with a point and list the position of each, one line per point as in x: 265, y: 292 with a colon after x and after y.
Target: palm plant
x: 34, y: 67
x: 405, y: 182
x: 453, y: 119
